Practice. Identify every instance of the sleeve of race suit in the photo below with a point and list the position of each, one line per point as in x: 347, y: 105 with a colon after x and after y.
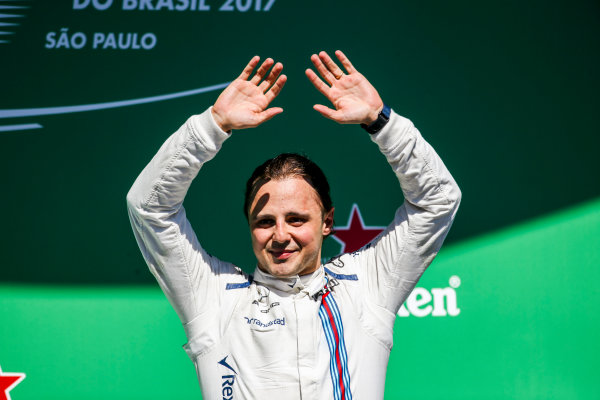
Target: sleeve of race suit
x: 396, y: 259
x: 187, y: 274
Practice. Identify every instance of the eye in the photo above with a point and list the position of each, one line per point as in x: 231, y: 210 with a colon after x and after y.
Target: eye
x: 296, y: 221
x: 264, y: 222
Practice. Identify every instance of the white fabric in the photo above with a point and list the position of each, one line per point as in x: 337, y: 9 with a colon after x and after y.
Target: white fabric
x: 265, y: 340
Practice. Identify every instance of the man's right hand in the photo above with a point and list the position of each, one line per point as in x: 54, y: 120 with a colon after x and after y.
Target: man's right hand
x: 243, y: 104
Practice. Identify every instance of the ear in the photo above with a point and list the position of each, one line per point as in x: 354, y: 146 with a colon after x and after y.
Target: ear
x: 328, y: 222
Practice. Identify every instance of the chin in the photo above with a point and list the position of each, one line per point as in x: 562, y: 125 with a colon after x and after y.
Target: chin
x: 282, y: 272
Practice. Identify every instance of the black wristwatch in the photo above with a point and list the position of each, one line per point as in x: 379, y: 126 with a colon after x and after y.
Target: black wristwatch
x: 379, y: 123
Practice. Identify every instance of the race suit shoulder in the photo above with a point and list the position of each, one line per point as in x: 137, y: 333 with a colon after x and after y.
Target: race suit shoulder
x: 322, y: 336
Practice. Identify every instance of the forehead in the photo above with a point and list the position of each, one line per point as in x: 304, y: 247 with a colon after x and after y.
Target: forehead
x: 286, y: 195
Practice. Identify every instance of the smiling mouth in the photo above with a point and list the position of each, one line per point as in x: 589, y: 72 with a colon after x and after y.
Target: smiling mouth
x: 281, y: 254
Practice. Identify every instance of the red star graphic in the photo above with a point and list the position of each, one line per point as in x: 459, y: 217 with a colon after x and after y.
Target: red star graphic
x: 8, y: 381
x: 355, y: 235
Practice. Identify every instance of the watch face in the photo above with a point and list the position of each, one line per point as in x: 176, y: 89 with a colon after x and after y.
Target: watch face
x: 379, y: 123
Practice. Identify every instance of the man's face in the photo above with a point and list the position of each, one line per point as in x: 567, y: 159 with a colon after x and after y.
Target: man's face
x: 287, y: 227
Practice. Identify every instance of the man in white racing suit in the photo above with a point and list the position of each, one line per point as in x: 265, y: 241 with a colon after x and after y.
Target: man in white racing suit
x: 295, y: 329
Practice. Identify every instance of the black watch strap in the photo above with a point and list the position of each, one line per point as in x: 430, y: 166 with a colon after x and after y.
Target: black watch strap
x: 379, y: 123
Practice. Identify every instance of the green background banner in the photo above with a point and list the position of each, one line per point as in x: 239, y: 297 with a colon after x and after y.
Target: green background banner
x: 506, y: 92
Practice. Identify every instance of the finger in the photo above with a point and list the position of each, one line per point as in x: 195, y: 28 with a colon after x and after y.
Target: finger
x: 345, y: 61
x: 249, y: 68
x: 262, y: 70
x: 331, y: 65
x: 269, y: 80
x: 327, y: 112
x: 323, y: 71
x: 276, y: 88
x: 318, y: 83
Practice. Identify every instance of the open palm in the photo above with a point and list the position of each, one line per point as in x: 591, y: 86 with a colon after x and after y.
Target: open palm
x: 243, y: 104
x: 356, y: 101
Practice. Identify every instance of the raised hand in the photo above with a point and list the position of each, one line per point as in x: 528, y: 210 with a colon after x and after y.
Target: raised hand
x: 355, y: 100
x: 243, y: 104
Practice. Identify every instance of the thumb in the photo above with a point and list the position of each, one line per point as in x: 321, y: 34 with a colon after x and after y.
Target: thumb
x: 327, y: 112
x: 269, y: 113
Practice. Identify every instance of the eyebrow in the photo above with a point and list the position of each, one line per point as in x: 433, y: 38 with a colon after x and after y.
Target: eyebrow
x: 289, y: 214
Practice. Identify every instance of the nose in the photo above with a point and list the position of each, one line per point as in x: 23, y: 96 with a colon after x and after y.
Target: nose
x: 280, y: 233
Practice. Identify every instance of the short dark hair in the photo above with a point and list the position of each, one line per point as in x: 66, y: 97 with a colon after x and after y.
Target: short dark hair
x: 288, y: 165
